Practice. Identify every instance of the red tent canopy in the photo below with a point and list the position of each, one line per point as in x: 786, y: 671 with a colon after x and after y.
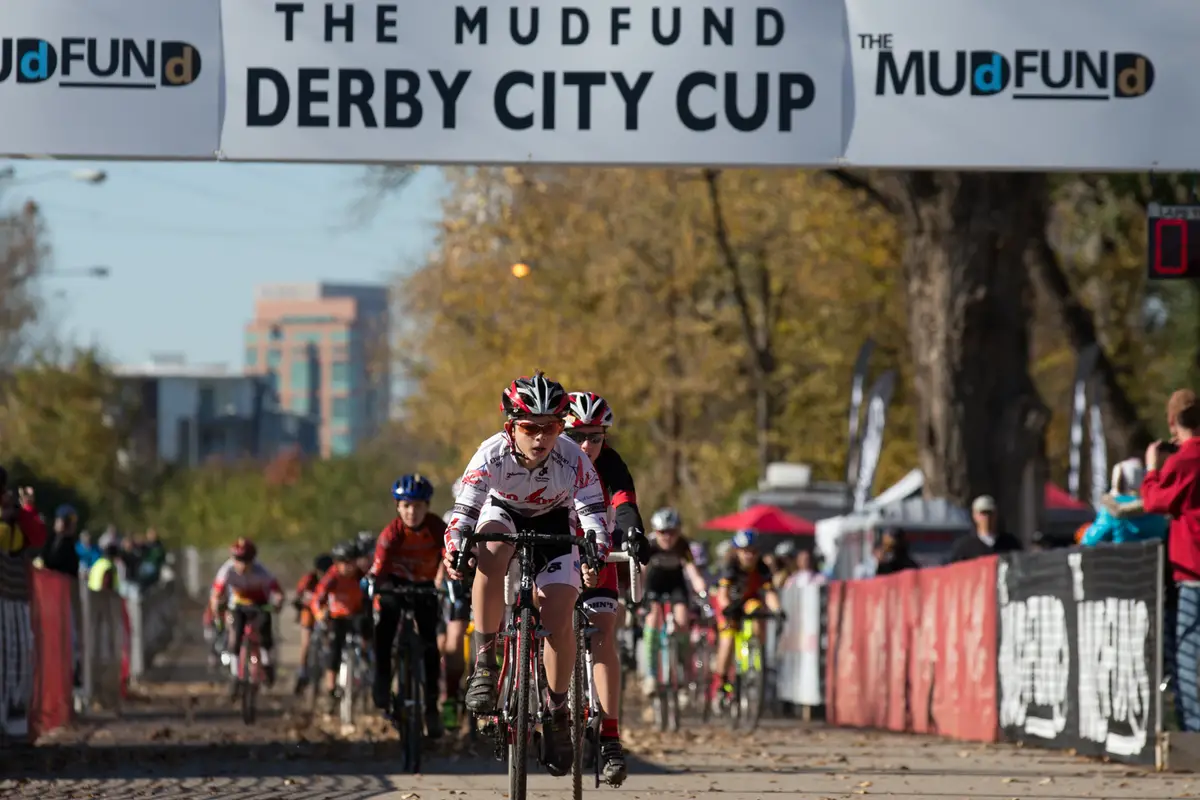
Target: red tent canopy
x: 1059, y: 500
x: 764, y: 519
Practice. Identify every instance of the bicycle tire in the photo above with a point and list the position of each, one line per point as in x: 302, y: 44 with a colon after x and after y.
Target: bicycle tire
x: 578, y: 705
x: 758, y: 699
x: 315, y: 673
x: 518, y: 749
x: 345, y: 682
x: 416, y: 707
x: 400, y: 709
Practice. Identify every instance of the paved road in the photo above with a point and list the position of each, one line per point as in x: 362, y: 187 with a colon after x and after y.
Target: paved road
x: 183, y: 740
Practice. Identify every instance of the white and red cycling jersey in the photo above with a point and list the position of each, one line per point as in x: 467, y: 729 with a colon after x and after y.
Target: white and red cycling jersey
x: 566, y: 479
x: 255, y: 587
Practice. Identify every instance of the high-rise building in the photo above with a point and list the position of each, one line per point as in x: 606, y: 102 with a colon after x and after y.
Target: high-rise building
x: 324, y: 346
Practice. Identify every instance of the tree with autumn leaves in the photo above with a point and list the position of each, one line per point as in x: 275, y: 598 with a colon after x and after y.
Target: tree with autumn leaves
x: 719, y: 311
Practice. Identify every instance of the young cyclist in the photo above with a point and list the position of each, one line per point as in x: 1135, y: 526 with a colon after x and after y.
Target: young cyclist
x: 340, y: 598
x: 744, y: 586
x: 304, y: 613
x: 457, y: 615
x: 409, y: 549
x: 248, y: 584
x: 588, y: 419
x: 528, y: 477
x: 670, y: 572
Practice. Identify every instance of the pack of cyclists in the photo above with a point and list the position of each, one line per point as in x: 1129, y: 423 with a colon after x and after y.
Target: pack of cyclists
x: 551, y: 469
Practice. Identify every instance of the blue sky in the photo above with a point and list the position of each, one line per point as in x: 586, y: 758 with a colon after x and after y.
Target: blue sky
x: 187, y: 243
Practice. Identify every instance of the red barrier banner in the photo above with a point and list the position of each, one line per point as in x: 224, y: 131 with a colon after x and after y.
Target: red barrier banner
x: 53, y: 686
x: 915, y: 652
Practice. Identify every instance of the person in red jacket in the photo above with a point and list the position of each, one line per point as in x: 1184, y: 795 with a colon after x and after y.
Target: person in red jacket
x: 1172, y: 487
x: 409, y: 549
x: 340, y: 599
x: 588, y: 419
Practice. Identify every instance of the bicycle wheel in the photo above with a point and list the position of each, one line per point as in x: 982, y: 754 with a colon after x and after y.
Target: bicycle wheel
x: 702, y: 678
x: 415, y: 732
x: 246, y: 668
x: 756, y: 698
x: 518, y: 748
x: 345, y: 682
x: 578, y: 708
x: 316, y: 660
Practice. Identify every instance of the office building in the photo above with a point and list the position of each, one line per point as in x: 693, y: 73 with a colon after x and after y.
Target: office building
x: 187, y: 414
x: 325, y: 349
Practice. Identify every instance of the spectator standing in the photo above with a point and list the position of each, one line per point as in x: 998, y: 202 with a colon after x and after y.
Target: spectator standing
x: 22, y: 533
x: 87, y: 550
x: 988, y: 539
x: 1122, y: 515
x: 60, y: 553
x: 1171, y: 487
x: 806, y: 572
x: 893, y: 553
x: 154, y: 557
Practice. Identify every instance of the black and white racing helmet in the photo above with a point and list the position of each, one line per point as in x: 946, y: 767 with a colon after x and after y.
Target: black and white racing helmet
x: 535, y: 396
x: 666, y: 519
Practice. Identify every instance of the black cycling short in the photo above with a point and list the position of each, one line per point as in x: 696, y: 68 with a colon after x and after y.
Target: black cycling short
x: 556, y: 521
x: 340, y: 628
x: 667, y: 582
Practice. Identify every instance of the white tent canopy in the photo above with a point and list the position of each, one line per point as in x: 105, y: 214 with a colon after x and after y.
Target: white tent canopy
x: 899, y: 506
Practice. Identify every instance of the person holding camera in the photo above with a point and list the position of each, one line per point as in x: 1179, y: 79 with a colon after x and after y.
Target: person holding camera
x: 1172, y: 487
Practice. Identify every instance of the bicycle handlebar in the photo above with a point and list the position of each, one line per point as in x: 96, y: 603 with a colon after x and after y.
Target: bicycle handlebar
x: 528, y: 539
x: 407, y: 589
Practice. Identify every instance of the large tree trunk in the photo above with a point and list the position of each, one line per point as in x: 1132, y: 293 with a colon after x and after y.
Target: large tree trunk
x: 981, y: 422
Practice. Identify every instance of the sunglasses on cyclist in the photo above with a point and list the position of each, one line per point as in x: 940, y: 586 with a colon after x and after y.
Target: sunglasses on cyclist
x: 590, y: 438
x: 551, y: 428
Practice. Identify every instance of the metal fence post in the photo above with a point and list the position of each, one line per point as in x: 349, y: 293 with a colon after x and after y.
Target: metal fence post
x: 1160, y: 679
x: 137, y: 662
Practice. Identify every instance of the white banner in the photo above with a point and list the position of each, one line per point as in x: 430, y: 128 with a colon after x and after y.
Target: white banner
x: 118, y: 78
x: 798, y: 651
x: 1028, y: 85
x: 534, y: 81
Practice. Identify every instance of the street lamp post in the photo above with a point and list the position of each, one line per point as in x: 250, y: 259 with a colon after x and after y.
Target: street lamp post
x: 8, y: 176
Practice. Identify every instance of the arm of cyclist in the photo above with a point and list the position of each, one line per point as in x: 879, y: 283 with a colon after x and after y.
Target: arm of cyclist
x: 388, y: 543
x: 472, y: 493
x: 321, y: 596
x: 590, y: 505
x: 699, y: 585
x: 629, y: 517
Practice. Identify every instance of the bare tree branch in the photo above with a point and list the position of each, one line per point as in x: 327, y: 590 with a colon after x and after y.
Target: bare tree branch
x: 860, y: 183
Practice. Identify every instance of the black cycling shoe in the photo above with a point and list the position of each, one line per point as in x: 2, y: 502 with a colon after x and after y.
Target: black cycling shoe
x: 612, y: 756
x: 559, y: 751
x: 482, y: 692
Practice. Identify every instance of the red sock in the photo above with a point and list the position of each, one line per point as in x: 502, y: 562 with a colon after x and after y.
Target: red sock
x: 609, y: 729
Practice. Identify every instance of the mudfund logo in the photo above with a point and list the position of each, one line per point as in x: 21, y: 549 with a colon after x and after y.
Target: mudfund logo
x: 1020, y: 75
x: 81, y: 63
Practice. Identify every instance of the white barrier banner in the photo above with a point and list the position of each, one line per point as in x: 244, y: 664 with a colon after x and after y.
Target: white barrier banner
x: 120, y: 78
x: 1027, y: 85
x: 541, y: 81
x: 798, y: 654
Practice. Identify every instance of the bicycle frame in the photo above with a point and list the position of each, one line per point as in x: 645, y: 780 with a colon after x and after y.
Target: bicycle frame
x: 512, y: 724
x: 407, y: 716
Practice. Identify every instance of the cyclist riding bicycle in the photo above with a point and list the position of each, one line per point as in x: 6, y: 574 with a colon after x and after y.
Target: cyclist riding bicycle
x: 669, y: 573
x: 457, y: 614
x: 248, y: 585
x: 340, y: 599
x: 304, y: 613
x: 527, y: 478
x: 588, y: 419
x: 745, y: 585
x: 409, y: 550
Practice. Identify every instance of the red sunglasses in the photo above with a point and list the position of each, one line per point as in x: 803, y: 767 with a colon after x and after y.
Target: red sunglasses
x: 551, y: 428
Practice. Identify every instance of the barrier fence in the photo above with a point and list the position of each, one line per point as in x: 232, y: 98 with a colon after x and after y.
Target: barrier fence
x: 1062, y: 649
x: 68, y: 647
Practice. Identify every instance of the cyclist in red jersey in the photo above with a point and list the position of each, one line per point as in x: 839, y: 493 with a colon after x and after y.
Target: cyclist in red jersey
x: 588, y: 420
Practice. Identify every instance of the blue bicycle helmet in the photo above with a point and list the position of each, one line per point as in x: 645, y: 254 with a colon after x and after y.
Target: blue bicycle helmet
x: 413, y: 488
x: 743, y: 539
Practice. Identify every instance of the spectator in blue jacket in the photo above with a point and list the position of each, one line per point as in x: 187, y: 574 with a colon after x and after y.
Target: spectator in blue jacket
x: 89, y: 551
x: 1121, y: 517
